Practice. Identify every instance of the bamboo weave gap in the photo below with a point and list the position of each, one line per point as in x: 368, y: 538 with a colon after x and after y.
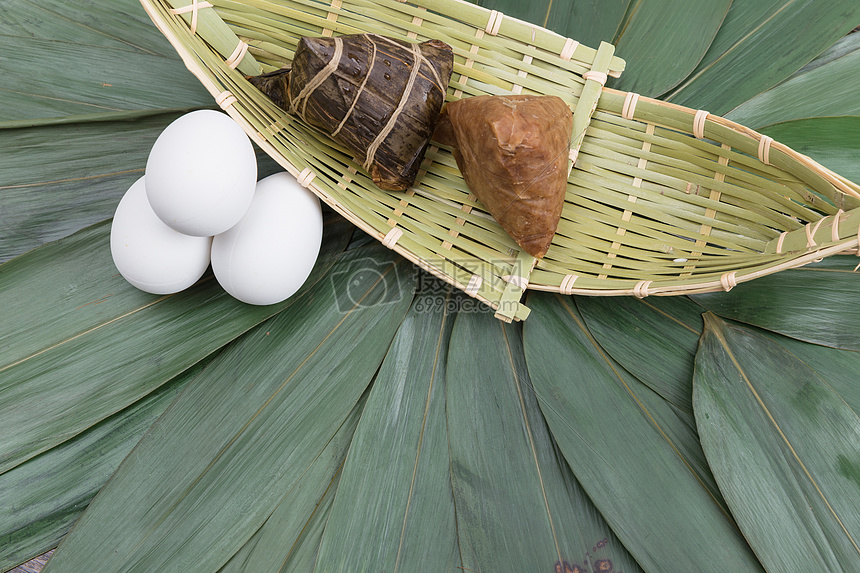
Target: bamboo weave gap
x: 661, y: 199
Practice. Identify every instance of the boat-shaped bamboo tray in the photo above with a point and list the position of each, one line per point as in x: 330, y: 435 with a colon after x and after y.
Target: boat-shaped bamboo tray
x: 661, y: 199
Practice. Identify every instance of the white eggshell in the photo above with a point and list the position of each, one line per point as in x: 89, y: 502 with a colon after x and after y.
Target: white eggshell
x: 149, y: 254
x: 269, y: 254
x: 201, y: 173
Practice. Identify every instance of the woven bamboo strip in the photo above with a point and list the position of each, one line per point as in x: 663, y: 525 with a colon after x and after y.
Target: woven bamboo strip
x: 670, y: 199
x: 666, y: 151
x: 775, y: 209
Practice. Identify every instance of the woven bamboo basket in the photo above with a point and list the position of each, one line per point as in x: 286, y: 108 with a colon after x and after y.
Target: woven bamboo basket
x: 661, y: 199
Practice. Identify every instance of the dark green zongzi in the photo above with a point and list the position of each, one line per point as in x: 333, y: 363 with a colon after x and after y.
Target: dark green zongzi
x: 377, y: 96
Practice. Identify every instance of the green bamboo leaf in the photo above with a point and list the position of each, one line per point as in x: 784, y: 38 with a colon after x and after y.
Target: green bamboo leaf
x: 83, y: 171
x: 843, y: 47
x: 120, y: 24
x: 534, y: 12
x: 85, y: 165
x: 802, y: 96
x: 838, y: 367
x: 681, y: 320
x: 831, y: 141
x: 662, y: 41
x: 519, y: 508
x: 797, y: 97
x: 654, y: 339
x: 212, y: 469
x: 86, y: 89
x: 78, y: 343
x: 89, y: 79
x: 784, y: 448
x: 816, y: 303
x: 277, y: 541
x: 303, y: 554
x: 761, y: 43
x: 88, y: 66
x: 396, y: 482
x: 623, y: 453
x: 42, y: 498
x: 587, y: 21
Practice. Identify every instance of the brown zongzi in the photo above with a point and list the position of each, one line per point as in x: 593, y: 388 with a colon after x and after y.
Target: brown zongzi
x: 513, y: 154
x: 377, y: 96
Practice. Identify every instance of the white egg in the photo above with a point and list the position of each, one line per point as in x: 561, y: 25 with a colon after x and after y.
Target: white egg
x: 269, y: 254
x: 201, y: 173
x: 149, y: 254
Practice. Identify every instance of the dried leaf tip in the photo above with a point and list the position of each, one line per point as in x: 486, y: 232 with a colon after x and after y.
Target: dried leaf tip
x: 276, y: 85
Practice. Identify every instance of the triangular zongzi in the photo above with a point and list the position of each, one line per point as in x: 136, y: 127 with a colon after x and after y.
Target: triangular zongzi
x: 513, y: 153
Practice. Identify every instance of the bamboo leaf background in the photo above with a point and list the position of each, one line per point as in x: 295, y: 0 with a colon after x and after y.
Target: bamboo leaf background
x: 396, y: 477
x: 378, y: 421
x: 797, y: 437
